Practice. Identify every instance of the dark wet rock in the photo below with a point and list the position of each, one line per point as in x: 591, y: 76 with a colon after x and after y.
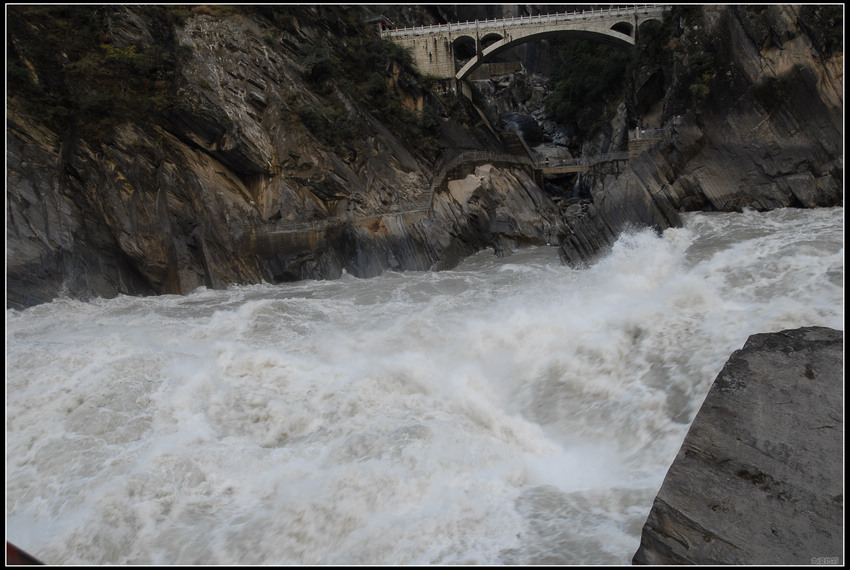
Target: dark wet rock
x: 525, y: 125
x: 772, y: 137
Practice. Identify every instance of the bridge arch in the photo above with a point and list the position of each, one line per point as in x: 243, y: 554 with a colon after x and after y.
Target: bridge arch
x: 620, y: 34
x: 454, y: 50
x: 463, y: 47
x: 488, y: 40
x: 625, y: 28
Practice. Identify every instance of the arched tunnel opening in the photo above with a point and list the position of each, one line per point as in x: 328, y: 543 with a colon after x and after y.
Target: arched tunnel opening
x: 489, y: 40
x: 464, y: 47
x: 624, y: 28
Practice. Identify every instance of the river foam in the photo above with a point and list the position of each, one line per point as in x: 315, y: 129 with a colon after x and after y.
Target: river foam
x: 510, y: 411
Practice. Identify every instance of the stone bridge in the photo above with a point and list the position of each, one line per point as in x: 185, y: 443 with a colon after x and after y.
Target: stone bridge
x: 455, y: 50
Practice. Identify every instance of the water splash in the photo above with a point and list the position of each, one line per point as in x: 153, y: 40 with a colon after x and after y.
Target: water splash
x: 511, y: 411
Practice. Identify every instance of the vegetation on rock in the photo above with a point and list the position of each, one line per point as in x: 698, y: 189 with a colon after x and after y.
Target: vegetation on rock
x: 65, y: 66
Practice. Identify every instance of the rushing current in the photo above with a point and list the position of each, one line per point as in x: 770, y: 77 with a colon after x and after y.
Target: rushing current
x: 510, y: 411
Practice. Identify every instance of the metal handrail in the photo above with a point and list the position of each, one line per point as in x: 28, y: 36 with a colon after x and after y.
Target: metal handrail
x: 646, y: 134
x: 583, y: 161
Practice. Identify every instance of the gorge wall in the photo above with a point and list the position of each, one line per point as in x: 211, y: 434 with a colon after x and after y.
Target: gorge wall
x: 766, y: 132
x: 248, y: 124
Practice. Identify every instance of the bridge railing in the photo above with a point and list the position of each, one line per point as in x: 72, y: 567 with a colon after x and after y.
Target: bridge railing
x: 538, y: 19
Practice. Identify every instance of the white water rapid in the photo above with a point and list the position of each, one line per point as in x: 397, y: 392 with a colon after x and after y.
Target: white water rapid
x: 509, y: 411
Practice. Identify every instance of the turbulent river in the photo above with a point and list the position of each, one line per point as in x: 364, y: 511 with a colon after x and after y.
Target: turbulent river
x: 509, y: 411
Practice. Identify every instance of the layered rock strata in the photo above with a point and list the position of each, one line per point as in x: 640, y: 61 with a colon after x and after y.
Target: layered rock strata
x: 230, y: 187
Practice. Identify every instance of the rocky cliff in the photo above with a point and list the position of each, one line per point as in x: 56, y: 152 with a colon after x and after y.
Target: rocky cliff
x: 260, y: 138
x: 759, y: 477
x: 159, y: 149
x: 761, y: 127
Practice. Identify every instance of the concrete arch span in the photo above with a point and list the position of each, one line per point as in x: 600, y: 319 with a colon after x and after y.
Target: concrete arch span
x: 611, y: 36
x: 436, y: 49
x: 489, y: 39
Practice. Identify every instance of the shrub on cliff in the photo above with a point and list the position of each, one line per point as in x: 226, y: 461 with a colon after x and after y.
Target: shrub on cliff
x: 585, y: 99
x: 68, y: 70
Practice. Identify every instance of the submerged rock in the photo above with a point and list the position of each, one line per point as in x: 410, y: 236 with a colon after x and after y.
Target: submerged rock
x: 759, y: 477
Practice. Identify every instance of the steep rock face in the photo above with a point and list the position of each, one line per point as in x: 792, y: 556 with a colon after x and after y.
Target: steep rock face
x: 499, y: 208
x: 219, y: 188
x: 172, y: 205
x: 55, y: 241
x: 759, y: 477
x: 769, y: 135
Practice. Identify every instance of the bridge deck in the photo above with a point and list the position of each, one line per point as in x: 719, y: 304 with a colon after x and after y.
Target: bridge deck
x: 501, y: 23
x: 432, y: 47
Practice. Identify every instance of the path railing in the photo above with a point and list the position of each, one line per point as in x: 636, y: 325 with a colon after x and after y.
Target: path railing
x: 587, y: 161
x: 424, y: 205
x: 637, y: 134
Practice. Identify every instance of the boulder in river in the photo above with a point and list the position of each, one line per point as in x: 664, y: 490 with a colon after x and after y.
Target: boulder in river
x: 759, y: 477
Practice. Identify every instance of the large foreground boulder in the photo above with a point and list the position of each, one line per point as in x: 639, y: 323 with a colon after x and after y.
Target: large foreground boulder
x: 759, y: 477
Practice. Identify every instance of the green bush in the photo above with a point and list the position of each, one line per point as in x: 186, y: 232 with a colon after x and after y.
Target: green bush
x: 82, y: 75
x: 583, y: 98
x: 700, y: 90
x: 376, y: 87
x: 400, y: 55
x: 321, y: 65
x: 826, y: 26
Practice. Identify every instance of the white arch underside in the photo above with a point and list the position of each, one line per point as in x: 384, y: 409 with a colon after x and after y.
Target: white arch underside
x: 503, y: 44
